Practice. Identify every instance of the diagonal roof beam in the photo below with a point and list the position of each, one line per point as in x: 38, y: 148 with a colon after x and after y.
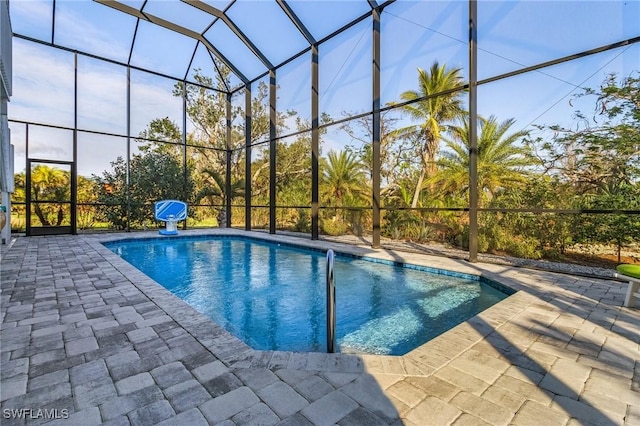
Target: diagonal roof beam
x: 121, y: 7
x: 205, y: 7
x: 223, y: 58
x: 296, y: 21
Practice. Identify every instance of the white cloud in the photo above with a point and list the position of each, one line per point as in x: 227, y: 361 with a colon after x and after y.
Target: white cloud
x: 42, y: 85
x: 43, y: 93
x: 94, y: 28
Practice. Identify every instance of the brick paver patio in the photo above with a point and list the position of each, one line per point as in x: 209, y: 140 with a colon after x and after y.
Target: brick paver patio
x: 87, y: 339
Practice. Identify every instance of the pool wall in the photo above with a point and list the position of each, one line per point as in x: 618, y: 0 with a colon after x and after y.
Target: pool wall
x: 232, y: 351
x: 386, y: 307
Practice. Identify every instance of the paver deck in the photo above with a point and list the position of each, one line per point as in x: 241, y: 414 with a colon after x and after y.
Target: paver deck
x: 88, y: 339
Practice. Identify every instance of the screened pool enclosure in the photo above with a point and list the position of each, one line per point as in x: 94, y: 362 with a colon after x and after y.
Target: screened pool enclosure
x: 508, y: 127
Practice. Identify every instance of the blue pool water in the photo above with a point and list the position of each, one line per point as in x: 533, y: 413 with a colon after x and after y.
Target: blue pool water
x: 273, y: 297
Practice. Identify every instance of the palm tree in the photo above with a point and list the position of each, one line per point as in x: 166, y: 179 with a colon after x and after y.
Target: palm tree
x: 343, y: 177
x: 48, y: 186
x: 501, y: 162
x: 434, y: 111
x: 218, y: 188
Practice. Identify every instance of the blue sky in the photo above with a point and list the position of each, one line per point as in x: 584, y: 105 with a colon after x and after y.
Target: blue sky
x: 512, y: 35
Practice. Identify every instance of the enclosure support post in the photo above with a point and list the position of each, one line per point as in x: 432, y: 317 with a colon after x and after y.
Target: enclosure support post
x: 227, y: 186
x: 247, y: 157
x: 185, y: 174
x: 272, y: 151
x: 74, y: 163
x: 315, y: 145
x: 375, y: 169
x: 128, y: 172
x: 473, y: 131
x: 27, y: 195
x: 331, y: 304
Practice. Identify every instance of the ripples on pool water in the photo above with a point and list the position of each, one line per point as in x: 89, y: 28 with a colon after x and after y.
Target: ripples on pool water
x: 273, y: 297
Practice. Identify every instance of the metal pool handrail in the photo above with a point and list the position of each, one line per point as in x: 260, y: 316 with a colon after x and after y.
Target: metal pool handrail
x: 331, y: 304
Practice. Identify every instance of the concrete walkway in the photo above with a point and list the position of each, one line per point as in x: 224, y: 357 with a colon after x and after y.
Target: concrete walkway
x: 88, y: 339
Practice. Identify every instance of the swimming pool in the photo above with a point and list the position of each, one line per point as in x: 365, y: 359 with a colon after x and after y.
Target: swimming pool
x: 272, y: 296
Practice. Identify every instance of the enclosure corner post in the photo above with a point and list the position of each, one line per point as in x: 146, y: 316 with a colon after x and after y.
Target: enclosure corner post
x: 247, y: 159
x: 228, y: 183
x: 315, y: 145
x: 74, y: 162
x: 473, y: 131
x: 185, y: 171
x: 272, y: 151
x: 375, y: 169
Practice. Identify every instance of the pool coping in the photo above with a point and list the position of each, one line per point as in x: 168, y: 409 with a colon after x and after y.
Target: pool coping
x: 234, y: 353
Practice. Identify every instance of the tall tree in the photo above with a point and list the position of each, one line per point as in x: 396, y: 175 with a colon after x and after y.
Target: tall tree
x: 439, y: 103
x: 161, y: 134
x: 343, y: 178
x: 602, y: 150
x: 502, y: 161
x: 50, y: 193
x: 396, y: 153
x: 217, y: 192
x: 617, y: 229
x: 293, y: 166
x: 153, y: 176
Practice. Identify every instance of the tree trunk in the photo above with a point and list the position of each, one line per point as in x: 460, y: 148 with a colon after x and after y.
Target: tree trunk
x: 60, y: 216
x: 619, y: 252
x: 222, y: 218
x: 38, y: 212
x: 416, y: 194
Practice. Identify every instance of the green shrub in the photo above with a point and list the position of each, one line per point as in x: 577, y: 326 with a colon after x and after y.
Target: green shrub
x: 552, y: 254
x: 302, y: 224
x: 526, y: 249
x: 483, y: 243
x: 333, y: 227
